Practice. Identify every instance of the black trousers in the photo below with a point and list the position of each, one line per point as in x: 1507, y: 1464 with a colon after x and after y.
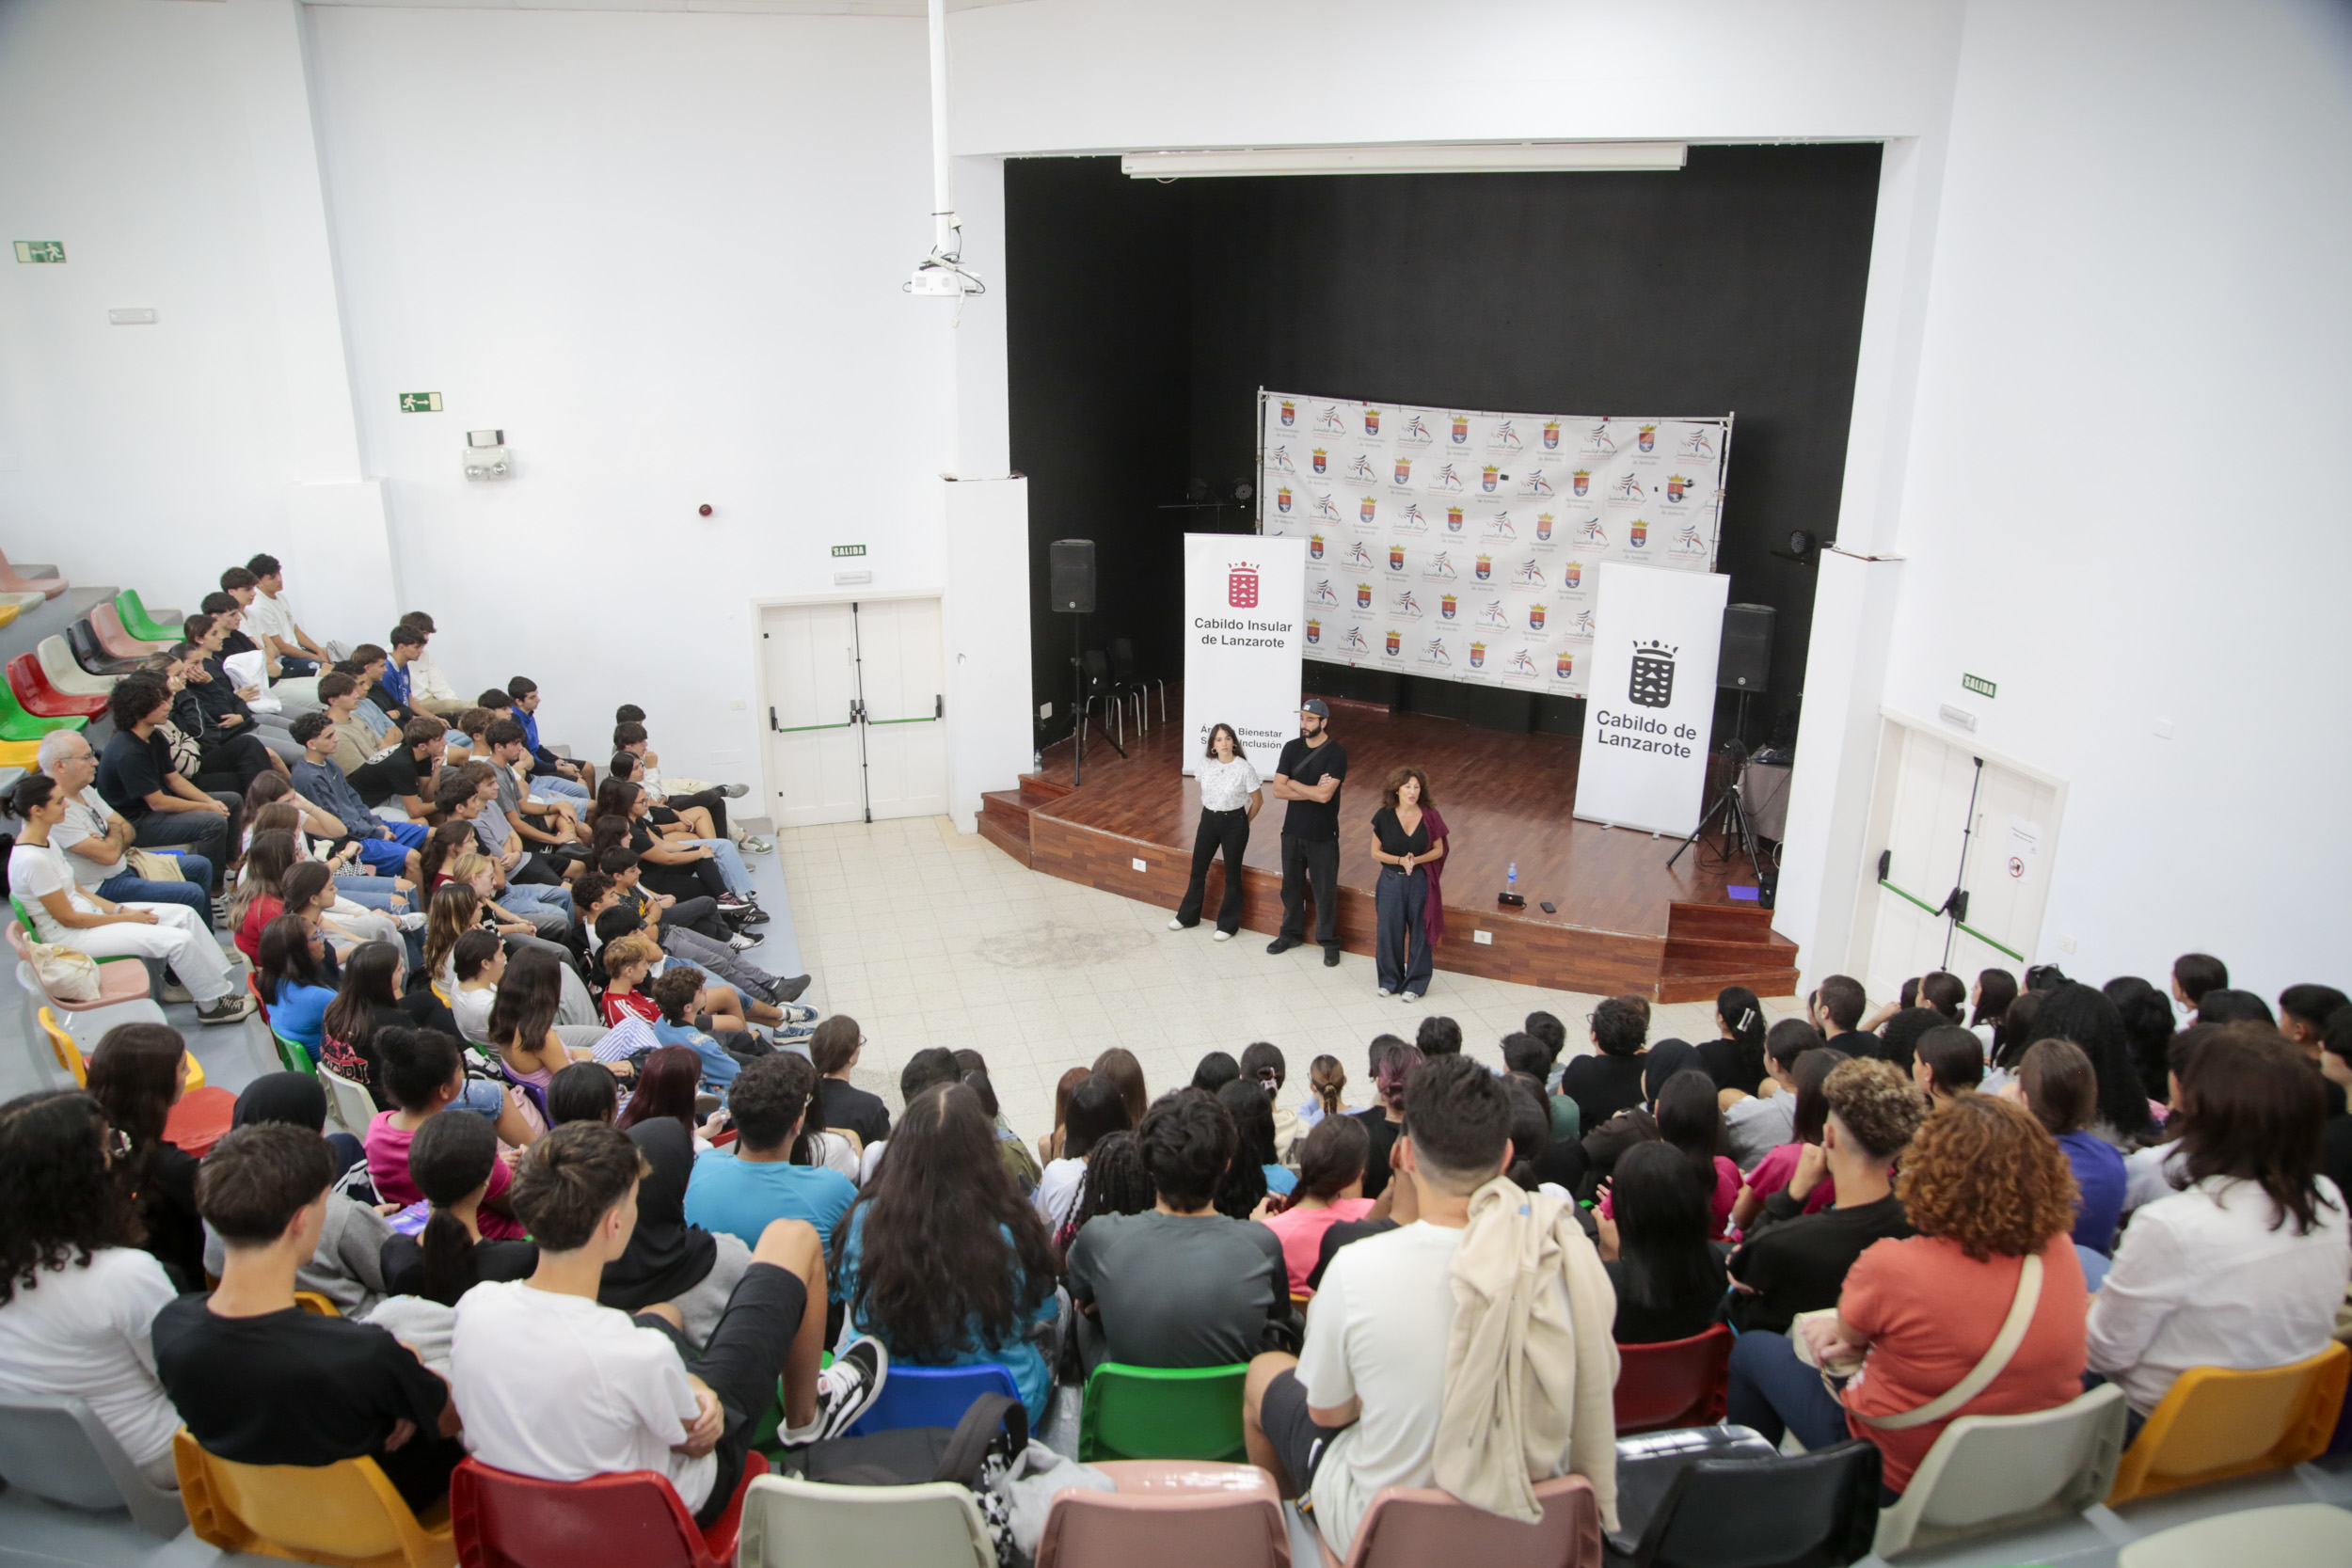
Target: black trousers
x: 684, y: 879
x: 1311, y: 862
x: 1227, y: 831
x: 741, y: 1363
x: 709, y: 800
x: 700, y: 916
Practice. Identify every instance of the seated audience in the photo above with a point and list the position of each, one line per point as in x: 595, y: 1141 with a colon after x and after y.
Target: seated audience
x: 2303, y: 1014
x: 1687, y: 1122
x: 77, y: 1292
x: 1522, y: 1052
x: 2244, y: 1266
x: 269, y: 615
x: 1658, y: 1247
x: 668, y: 1083
x: 584, y: 1091
x: 2055, y: 1084
x: 677, y: 994
x: 1331, y: 1188
x: 138, y: 778
x: 742, y: 1195
x: 1394, y: 1061
x: 136, y: 1074
x: 1835, y: 1010
x: 259, y: 1380
x: 1254, y: 1172
x: 1638, y: 1123
x: 577, y: 779
x: 97, y: 839
x: 2234, y: 1006
x: 400, y: 780
x: 1995, y: 991
x: 928, y: 1067
x: 1987, y: 1190
x: 1009, y: 1148
x: 1795, y: 1258
x: 1756, y: 1124
x: 1116, y: 1184
x: 452, y: 1161
x: 1094, y: 1111
x: 940, y: 1260
x: 63, y: 913
x: 1119, y: 1066
x: 1370, y: 1401
x: 1049, y: 1147
x: 346, y: 1265
x: 1183, y: 1286
x: 835, y: 1048
x: 226, y: 758
x: 1264, y: 1065
x: 2010, y: 1041
x: 1610, y: 1080
x: 1809, y: 1114
x: 1899, y: 1037
x: 2081, y: 1014
x: 1735, y: 1060
x: 388, y: 846
x: 2194, y: 974
x: 425, y: 1072
x: 368, y: 999
x: 295, y: 982
x: 658, y: 1402
x: 522, y: 1030
x: 430, y: 689
x: 2148, y: 1024
x: 1949, y: 1061
x: 668, y: 1258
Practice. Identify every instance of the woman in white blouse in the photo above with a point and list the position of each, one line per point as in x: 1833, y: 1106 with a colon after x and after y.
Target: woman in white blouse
x: 1231, y: 794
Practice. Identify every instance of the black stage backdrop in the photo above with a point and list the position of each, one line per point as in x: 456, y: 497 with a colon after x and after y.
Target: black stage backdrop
x: 1142, y: 319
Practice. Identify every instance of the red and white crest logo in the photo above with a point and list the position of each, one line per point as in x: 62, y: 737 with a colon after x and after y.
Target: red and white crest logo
x: 1240, y: 586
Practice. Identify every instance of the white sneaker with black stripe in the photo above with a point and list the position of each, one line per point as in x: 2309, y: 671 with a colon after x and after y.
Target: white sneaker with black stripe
x: 844, y: 1390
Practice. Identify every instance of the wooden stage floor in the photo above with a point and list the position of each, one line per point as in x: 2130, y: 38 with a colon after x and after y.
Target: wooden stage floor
x: 1625, y: 923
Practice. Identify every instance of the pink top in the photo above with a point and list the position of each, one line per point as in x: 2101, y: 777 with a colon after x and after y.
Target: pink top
x: 1300, y: 1231
x: 1779, y: 1167
x: 387, y: 1167
x: 1727, y: 1193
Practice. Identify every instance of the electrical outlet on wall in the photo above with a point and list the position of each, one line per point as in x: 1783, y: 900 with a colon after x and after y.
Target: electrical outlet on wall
x: 1045, y: 710
x: 1484, y: 939
x: 1139, y: 865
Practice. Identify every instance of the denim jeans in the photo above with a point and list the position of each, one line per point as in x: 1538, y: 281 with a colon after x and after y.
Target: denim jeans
x: 1775, y: 1393
x: 129, y: 888
x: 545, y: 784
x: 373, y: 892
x: 205, y: 832
x: 548, y: 909
x: 730, y: 863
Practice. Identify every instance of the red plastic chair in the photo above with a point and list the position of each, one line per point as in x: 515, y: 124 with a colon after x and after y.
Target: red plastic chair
x: 115, y: 636
x: 30, y: 683
x: 633, y: 1520
x: 1679, y: 1383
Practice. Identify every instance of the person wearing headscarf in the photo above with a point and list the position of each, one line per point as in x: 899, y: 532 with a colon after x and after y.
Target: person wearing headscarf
x: 668, y: 1260
x: 345, y: 1266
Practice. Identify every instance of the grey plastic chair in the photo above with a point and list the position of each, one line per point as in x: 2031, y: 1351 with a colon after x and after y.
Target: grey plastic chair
x: 1996, y: 1472
x: 789, y: 1523
x: 349, y: 1104
x: 59, y: 1450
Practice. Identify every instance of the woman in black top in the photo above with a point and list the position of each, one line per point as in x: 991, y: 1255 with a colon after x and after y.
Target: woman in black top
x: 1669, y: 1276
x: 1736, y: 1060
x: 449, y: 1160
x: 679, y: 871
x: 1384, y: 1121
x: 1610, y: 1080
x: 1409, y: 841
x: 138, y: 1074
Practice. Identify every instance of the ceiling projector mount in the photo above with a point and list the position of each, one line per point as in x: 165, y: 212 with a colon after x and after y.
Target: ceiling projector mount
x: 941, y: 276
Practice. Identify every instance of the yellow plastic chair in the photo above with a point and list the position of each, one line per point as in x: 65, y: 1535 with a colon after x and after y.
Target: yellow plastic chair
x: 2216, y: 1423
x: 19, y: 753
x: 69, y: 1054
x: 316, y: 1305
x: 9, y: 612
x: 346, y: 1514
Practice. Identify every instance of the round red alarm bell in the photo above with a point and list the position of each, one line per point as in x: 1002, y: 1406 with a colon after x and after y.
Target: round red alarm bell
x: 703, y: 509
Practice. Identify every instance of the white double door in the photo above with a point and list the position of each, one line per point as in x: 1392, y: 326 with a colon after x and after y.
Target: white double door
x: 1959, y: 861
x: 856, y: 716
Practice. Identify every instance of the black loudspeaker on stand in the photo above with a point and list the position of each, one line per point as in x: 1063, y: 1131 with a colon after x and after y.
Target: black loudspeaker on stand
x: 1070, y: 586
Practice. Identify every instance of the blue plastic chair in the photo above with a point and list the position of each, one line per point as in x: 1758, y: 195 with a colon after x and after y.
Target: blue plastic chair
x: 932, y: 1396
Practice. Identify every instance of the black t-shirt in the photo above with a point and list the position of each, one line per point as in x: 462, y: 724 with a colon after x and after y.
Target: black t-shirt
x: 1303, y: 763
x: 1854, y: 1043
x: 388, y: 776
x: 130, y: 769
x: 2335, y: 1152
x: 1799, y: 1265
x: 848, y: 1106
x: 1675, y: 1320
x: 1337, y: 1235
x: 1394, y: 840
x: 220, y: 700
x: 1722, y: 1060
x: 1602, y: 1086
x: 1383, y: 1133
x: 175, y: 1232
x: 236, y: 642
x: 402, y: 1259
x: 289, y: 1388
x: 1177, y: 1290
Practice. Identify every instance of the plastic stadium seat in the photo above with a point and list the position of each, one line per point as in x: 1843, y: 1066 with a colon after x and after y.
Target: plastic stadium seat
x: 351, y: 1104
x: 41, y: 699
x: 92, y: 655
x: 57, y: 662
x: 2214, y: 1423
x: 346, y: 1514
x: 1676, y: 1383
x: 789, y: 1523
x: 632, y: 1520
x: 199, y: 1119
x: 116, y: 638
x: 1998, y: 1472
x: 932, y: 1396
x: 17, y: 724
x: 120, y: 980
x: 2298, y: 1535
x: 16, y: 582
x: 59, y: 1450
x: 1161, y: 1413
x: 1728, y: 1497
x: 1167, y: 1513
x: 164, y: 624
x: 1411, y: 1527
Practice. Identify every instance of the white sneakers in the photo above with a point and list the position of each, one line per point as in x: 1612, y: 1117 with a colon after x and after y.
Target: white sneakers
x: 1218, y: 936
x: 1222, y: 936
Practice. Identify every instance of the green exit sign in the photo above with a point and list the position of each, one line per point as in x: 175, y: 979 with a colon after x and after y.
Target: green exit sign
x: 1979, y: 685
x: 41, y: 250
x: 420, y: 403
x: 840, y: 550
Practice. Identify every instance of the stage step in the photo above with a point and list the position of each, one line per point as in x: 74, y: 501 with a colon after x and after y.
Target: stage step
x: 1005, y: 815
x: 1745, y: 923
x: 1698, y: 980
x: 1709, y: 946
x: 1037, y: 784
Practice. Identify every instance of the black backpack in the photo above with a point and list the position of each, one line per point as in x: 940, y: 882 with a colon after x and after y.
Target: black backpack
x: 973, y: 1453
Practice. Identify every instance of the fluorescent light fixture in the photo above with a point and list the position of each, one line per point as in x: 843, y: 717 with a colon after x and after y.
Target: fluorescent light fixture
x: 1424, y: 158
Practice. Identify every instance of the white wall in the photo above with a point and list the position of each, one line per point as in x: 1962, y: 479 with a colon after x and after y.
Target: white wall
x: 663, y: 253
x: 2124, y: 501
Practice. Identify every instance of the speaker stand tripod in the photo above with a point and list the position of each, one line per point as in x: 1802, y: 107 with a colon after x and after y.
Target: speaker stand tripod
x: 1079, y: 706
x: 1731, y: 807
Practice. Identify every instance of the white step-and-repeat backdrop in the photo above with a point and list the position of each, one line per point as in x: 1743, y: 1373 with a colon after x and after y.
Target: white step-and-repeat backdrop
x: 1467, y: 545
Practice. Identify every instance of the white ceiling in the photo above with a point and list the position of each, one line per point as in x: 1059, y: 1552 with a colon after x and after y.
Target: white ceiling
x: 770, y: 7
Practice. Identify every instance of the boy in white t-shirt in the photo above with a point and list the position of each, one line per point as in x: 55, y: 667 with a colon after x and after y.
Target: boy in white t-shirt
x: 554, y: 1386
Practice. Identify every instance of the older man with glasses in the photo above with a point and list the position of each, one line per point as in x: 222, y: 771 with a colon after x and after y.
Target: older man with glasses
x: 97, y: 841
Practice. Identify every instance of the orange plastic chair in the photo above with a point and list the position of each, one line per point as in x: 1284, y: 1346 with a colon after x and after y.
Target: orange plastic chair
x: 2216, y: 1423
x: 1169, y: 1513
x: 1676, y: 1383
x: 116, y: 638
x: 1414, y: 1526
x: 346, y: 1514
x: 316, y: 1305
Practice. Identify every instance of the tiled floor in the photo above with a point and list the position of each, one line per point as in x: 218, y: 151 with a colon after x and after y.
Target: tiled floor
x: 932, y: 937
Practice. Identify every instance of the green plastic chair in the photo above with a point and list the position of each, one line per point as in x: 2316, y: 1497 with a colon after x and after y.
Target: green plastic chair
x: 1162, y: 1413
x: 138, y: 623
x: 294, y: 1057
x: 17, y: 724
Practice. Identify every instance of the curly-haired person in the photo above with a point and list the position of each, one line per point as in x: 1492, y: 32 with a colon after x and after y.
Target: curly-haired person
x: 1987, y: 1188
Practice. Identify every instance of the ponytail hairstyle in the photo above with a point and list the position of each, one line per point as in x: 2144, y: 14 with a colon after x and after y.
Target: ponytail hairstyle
x: 439, y: 846
x: 1327, y: 1080
x: 418, y: 1065
x: 267, y: 859
x: 449, y: 1160
x: 1396, y: 1067
x: 1243, y: 1186
x: 278, y: 817
x: 134, y: 1077
x: 1263, y: 1065
x: 455, y: 911
x: 1743, y: 1014
x: 1334, y: 1155
x: 474, y: 949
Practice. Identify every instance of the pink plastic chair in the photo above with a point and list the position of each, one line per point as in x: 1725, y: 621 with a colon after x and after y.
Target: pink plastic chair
x: 16, y: 582
x: 1169, y: 1513
x: 106, y: 622
x: 1411, y: 1527
x: 120, y: 981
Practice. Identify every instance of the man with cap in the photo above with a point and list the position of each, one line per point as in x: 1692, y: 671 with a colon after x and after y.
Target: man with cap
x: 1308, y: 778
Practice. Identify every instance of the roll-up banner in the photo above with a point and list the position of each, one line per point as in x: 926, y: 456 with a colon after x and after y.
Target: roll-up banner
x: 1242, y: 642
x: 1652, y: 702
